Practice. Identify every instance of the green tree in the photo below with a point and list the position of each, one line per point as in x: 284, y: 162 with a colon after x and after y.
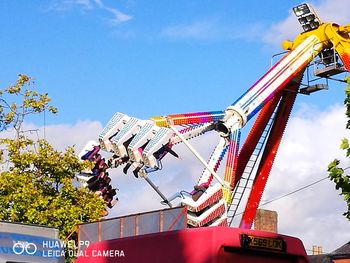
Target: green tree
x: 337, y: 173
x: 36, y: 181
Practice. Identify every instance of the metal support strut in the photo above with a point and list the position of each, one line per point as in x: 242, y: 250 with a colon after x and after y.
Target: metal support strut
x: 165, y: 200
x: 198, y: 156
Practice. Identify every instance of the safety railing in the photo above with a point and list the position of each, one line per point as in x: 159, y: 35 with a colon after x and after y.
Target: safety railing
x: 133, y: 225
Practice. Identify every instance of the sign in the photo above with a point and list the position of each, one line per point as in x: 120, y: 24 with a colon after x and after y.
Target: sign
x: 250, y: 241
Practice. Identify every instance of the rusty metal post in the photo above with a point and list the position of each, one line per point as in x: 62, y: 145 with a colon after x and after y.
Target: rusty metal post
x: 121, y: 226
x: 137, y: 220
x: 161, y: 223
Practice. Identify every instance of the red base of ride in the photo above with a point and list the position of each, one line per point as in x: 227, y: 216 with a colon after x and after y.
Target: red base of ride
x: 207, y: 244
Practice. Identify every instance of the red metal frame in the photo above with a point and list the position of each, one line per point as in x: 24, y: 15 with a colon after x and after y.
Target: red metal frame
x: 183, y: 212
x: 282, y: 115
x: 346, y: 60
x: 254, y: 136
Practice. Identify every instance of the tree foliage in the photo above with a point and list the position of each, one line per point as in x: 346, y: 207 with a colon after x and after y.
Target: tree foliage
x: 337, y: 173
x: 18, y: 101
x: 36, y: 181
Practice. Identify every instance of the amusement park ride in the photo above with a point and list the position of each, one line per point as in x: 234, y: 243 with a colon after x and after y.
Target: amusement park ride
x: 140, y: 145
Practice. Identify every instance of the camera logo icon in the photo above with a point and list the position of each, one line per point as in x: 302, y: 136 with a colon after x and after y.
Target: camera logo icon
x: 24, y: 247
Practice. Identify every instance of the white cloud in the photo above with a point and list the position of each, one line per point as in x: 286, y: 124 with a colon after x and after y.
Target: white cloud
x: 99, y: 3
x: 311, y: 141
x: 287, y: 29
x: 194, y: 30
x: 63, y: 135
x: 91, y: 5
x: 118, y: 16
x: 328, y: 11
x: 334, y: 11
x: 211, y: 29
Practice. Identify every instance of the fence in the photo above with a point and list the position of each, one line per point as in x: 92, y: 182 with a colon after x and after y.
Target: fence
x: 133, y: 225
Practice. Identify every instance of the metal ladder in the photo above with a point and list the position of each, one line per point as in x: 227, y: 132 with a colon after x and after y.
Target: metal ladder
x: 249, y: 173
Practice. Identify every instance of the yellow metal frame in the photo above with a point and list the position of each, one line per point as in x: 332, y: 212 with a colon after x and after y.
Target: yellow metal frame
x: 329, y: 35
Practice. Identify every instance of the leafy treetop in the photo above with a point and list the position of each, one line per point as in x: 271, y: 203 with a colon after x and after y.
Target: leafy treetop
x: 36, y: 181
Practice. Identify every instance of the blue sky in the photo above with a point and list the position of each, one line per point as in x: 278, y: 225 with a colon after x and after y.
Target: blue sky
x: 146, y: 58
x: 139, y: 57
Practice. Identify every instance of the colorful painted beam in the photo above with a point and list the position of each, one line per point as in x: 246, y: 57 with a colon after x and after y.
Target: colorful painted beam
x: 188, y: 118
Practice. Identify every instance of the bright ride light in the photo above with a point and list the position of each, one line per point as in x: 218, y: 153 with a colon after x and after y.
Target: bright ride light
x: 306, y: 17
x: 301, y: 10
